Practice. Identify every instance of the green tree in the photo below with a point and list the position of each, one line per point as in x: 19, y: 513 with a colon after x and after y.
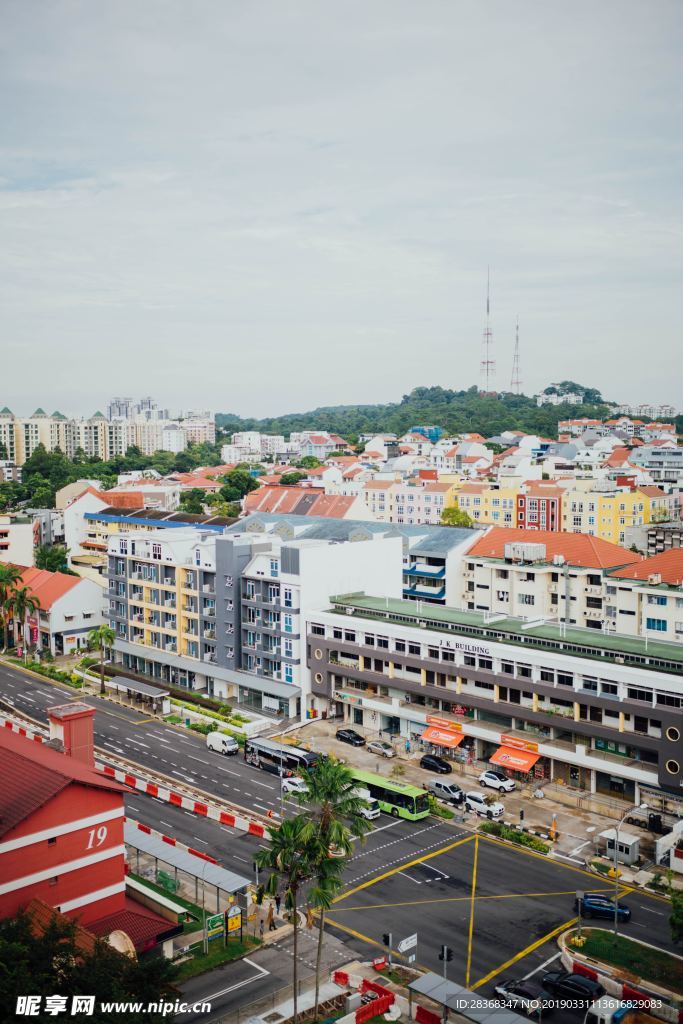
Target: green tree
x: 9, y: 577
x: 308, y: 462
x: 193, y: 501
x: 220, y: 507
x: 54, y: 559
x: 99, y: 639
x: 11, y: 493
x: 454, y: 516
x: 291, y: 479
x: 52, y: 964
x: 676, y: 915
x: 334, y: 807
x: 22, y: 603
x: 294, y: 849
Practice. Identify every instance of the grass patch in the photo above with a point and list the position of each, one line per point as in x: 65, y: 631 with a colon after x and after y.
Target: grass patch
x: 513, y: 835
x: 218, y: 954
x: 440, y: 810
x: 601, y: 867
x: 173, y: 719
x: 651, y: 965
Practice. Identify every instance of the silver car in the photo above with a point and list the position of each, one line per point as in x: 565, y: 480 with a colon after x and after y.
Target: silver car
x: 381, y: 748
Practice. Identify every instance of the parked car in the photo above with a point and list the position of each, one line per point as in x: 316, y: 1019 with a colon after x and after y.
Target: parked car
x: 350, y: 736
x: 432, y: 763
x: 526, y: 996
x: 221, y: 743
x: 572, y: 987
x: 448, y: 791
x: 595, y: 904
x: 497, y: 780
x: 294, y: 785
x: 483, y: 805
x: 381, y: 748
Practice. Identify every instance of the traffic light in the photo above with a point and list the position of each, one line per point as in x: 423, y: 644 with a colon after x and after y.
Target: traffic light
x: 446, y: 954
x: 386, y: 939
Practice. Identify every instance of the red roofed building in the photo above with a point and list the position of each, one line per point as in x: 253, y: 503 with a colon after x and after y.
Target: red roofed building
x: 304, y: 501
x: 539, y: 506
x: 69, y: 607
x: 61, y: 834
x: 576, y: 548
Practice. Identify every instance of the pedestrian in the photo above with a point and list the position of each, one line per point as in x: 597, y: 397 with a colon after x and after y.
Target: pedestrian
x: 271, y: 919
x: 278, y: 901
x: 407, y: 746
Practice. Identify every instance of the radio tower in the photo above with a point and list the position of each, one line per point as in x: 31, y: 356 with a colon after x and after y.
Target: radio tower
x: 516, y: 381
x: 488, y: 365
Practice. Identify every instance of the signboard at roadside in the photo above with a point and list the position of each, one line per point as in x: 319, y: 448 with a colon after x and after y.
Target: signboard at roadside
x: 410, y: 942
x: 234, y: 918
x: 215, y: 926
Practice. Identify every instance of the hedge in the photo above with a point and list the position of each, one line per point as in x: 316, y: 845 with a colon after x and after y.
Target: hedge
x: 514, y: 835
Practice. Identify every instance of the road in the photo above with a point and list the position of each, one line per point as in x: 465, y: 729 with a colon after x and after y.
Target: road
x: 405, y: 876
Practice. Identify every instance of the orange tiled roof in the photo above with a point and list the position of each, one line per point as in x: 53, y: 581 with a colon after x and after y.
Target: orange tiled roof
x: 48, y: 587
x: 577, y: 548
x: 669, y: 565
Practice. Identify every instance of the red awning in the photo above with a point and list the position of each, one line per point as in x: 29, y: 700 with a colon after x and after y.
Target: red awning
x: 515, y: 759
x: 442, y: 737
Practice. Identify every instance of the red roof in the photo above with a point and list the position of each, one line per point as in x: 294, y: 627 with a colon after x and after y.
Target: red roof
x: 143, y: 926
x: 300, y: 501
x: 48, y: 587
x: 577, y: 548
x: 42, y: 917
x: 668, y: 564
x: 33, y: 773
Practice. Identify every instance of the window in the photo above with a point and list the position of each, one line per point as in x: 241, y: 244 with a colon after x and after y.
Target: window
x: 287, y: 594
x: 288, y: 648
x: 123, y: 547
x: 288, y: 623
x: 400, y: 647
x: 369, y: 640
x: 383, y: 641
x: 349, y: 636
x: 635, y: 693
x: 656, y: 599
x: 486, y: 663
x: 547, y: 675
x: 316, y: 629
x: 657, y: 625
x: 54, y: 880
x: 156, y: 552
x: 565, y: 679
x: 337, y: 634
x: 274, y: 567
x: 414, y: 649
x: 52, y: 841
x: 507, y: 667
x: 526, y: 599
x: 470, y: 660
x: 289, y: 674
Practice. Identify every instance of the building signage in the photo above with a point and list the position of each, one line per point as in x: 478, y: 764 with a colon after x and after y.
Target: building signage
x: 466, y: 647
x: 514, y: 741
x: 349, y: 698
x: 444, y: 723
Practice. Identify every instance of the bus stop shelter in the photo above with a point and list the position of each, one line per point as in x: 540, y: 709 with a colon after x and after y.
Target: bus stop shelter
x: 450, y: 995
x: 152, y: 698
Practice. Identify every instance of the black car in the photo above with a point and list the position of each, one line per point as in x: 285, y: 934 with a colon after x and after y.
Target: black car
x: 350, y: 736
x: 575, y: 987
x: 526, y: 996
x: 435, y: 764
x: 594, y: 904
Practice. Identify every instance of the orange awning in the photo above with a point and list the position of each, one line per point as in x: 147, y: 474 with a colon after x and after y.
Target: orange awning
x: 516, y: 760
x: 442, y: 737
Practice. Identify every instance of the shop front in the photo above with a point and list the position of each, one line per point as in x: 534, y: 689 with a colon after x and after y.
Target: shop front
x: 520, y: 759
x: 446, y: 739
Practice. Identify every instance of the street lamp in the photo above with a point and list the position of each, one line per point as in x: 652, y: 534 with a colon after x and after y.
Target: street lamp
x: 638, y: 807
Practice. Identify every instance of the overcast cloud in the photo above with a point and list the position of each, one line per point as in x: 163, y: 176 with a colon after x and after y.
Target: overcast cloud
x: 261, y: 207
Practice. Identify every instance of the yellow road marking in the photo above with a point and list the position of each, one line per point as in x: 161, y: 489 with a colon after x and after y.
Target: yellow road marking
x: 471, y: 932
x: 464, y: 899
x: 524, y: 952
x: 402, y: 867
x: 374, y: 942
x: 540, y: 856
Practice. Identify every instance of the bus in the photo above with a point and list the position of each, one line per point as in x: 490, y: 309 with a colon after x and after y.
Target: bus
x: 397, y: 798
x: 279, y: 759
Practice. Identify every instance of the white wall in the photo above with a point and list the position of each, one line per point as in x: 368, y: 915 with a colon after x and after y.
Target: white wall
x: 75, y: 526
x: 19, y: 540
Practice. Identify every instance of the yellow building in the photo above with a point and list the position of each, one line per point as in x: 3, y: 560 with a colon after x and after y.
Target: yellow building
x: 488, y: 503
x: 609, y: 514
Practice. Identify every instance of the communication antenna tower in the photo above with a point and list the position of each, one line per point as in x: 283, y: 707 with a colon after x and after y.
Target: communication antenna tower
x: 488, y: 365
x: 516, y: 381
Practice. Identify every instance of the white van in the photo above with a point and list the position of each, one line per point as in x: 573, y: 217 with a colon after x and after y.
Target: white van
x: 372, y: 809
x: 221, y: 743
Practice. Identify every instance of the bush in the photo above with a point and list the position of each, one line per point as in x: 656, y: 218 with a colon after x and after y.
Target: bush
x: 439, y: 809
x: 203, y: 727
x: 173, y: 719
x: 513, y: 835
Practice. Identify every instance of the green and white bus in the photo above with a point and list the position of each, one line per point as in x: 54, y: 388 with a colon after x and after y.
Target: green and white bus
x: 397, y: 798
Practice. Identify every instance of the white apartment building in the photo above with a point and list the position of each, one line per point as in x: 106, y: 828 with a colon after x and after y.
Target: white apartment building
x: 17, y: 539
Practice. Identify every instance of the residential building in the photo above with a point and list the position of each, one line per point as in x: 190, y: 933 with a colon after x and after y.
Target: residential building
x: 646, y: 598
x: 18, y: 539
x: 609, y: 514
x: 9, y: 472
x: 69, y: 607
x: 663, y: 462
x: 489, y: 504
x: 539, y: 574
x: 539, y: 506
x: 664, y: 536
x: 304, y: 501
x: 224, y: 613
x: 548, y: 704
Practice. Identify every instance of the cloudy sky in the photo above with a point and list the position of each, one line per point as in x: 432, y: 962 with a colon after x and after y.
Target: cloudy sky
x: 261, y: 206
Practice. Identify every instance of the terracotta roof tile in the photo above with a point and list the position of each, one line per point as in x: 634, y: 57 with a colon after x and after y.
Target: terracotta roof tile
x: 577, y: 548
x: 668, y: 564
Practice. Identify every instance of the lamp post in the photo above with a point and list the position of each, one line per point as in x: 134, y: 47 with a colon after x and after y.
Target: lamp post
x: 637, y: 807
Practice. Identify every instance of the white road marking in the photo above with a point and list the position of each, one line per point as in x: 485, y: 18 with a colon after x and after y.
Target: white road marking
x: 541, y: 966
x: 198, y: 840
x: 165, y: 823
x: 409, y: 877
x: 181, y: 776
x: 162, y: 740
x: 659, y: 913
x: 264, y: 784
x: 579, y: 848
x: 191, y: 757
x: 240, y: 858
x: 114, y: 727
x: 239, y: 984
x: 227, y: 770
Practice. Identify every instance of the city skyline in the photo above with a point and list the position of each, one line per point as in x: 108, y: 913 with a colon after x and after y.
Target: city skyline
x: 235, y: 191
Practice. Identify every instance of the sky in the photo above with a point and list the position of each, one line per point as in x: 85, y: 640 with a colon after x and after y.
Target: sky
x: 260, y: 206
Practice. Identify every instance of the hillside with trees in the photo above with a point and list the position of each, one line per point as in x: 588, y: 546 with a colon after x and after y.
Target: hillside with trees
x: 455, y: 411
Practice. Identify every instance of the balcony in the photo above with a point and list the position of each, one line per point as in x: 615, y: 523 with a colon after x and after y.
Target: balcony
x: 210, y: 658
x: 209, y: 613
x: 209, y: 634
x: 169, y: 581
x: 428, y: 593
x: 170, y: 602
x: 208, y: 588
x: 430, y: 572
x: 171, y: 647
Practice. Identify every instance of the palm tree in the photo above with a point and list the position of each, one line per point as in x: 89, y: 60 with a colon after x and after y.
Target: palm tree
x: 100, y: 638
x: 22, y: 603
x: 294, y: 849
x: 334, y: 807
x: 9, y: 577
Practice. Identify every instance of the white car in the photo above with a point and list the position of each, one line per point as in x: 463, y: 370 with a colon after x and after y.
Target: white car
x: 483, y: 805
x: 497, y: 780
x: 294, y: 785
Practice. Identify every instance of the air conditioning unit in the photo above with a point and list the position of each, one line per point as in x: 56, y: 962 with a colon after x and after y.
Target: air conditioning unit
x: 518, y: 552
x: 654, y: 579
